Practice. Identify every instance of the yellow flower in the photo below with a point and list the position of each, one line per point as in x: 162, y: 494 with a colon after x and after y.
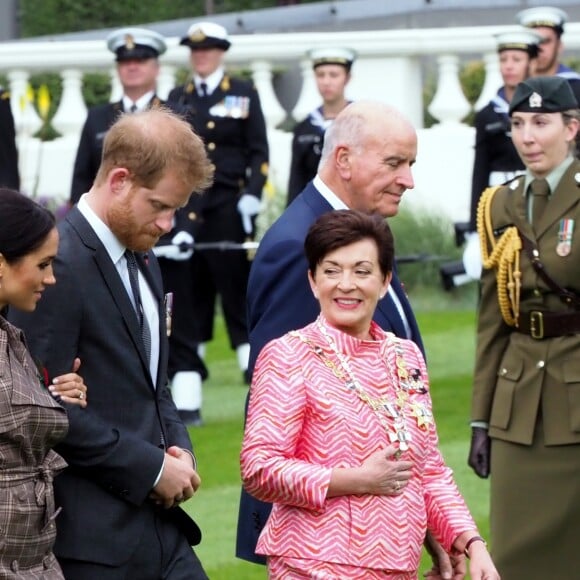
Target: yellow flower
x: 27, y: 97
x: 43, y: 101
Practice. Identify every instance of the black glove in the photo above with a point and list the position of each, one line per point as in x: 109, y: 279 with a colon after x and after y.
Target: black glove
x: 479, y: 452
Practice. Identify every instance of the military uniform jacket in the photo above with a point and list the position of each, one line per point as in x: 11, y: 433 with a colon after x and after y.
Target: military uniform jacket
x: 88, y: 159
x: 231, y: 123
x: 306, y: 149
x: 494, y: 150
x: 9, y: 176
x: 516, y: 376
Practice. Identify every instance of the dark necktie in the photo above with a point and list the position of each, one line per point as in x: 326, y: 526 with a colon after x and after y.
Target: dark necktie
x: 540, y: 191
x: 133, y: 270
x: 203, y: 90
x: 133, y: 108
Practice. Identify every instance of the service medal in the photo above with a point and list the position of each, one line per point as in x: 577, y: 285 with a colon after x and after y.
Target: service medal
x: 563, y: 249
x: 565, y: 233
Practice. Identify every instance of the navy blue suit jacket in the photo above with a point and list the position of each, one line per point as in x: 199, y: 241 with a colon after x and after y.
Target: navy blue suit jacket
x: 114, y: 447
x: 279, y: 299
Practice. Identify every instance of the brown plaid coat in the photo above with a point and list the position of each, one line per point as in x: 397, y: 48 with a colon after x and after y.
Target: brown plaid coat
x: 31, y: 423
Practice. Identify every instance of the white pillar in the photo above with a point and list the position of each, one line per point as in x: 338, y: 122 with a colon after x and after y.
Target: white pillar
x: 116, y: 86
x: 26, y: 119
x: 309, y: 97
x: 72, y: 110
x: 395, y: 81
x: 165, y: 80
x: 262, y: 76
x: 493, y: 80
x: 449, y: 104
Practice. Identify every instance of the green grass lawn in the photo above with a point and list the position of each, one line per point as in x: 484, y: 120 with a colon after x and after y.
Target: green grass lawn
x: 448, y: 332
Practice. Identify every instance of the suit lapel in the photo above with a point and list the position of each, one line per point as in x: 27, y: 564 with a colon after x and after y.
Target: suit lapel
x: 111, y: 279
x: 565, y: 196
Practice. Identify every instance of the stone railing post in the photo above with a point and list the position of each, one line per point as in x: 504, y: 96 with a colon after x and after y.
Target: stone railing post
x: 449, y: 104
x: 262, y: 76
x: 72, y: 110
x: 492, y: 82
x: 309, y: 97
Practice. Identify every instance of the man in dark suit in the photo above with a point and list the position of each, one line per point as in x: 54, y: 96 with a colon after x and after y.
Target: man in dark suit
x: 137, y: 51
x: 226, y: 113
x: 129, y: 455
x: 366, y: 165
x: 9, y: 176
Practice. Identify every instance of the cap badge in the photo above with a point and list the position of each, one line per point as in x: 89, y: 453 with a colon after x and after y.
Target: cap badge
x: 197, y: 35
x: 535, y: 100
x: 129, y: 42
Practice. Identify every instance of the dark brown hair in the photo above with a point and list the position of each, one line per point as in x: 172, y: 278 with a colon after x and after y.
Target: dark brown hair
x: 336, y: 229
x: 24, y: 225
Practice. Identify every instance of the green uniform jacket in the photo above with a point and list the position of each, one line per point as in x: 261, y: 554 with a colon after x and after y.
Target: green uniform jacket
x: 516, y: 375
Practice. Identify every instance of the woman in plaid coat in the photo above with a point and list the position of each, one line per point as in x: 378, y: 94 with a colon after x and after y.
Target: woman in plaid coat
x: 31, y: 419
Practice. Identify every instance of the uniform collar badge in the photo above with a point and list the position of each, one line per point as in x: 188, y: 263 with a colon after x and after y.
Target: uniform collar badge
x: 514, y: 184
x: 535, y: 100
x: 197, y: 35
x: 129, y: 42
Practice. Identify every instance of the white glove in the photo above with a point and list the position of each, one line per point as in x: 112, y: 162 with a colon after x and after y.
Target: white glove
x: 175, y: 250
x: 472, y: 261
x: 248, y: 206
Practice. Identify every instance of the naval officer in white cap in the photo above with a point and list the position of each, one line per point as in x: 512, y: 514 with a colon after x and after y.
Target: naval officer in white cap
x: 226, y: 113
x: 136, y: 51
x: 332, y: 74
x: 549, y: 22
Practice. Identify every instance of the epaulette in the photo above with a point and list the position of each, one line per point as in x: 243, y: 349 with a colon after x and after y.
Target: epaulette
x: 513, y: 183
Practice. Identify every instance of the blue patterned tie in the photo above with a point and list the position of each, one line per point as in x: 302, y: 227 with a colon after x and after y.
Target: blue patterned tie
x: 133, y: 270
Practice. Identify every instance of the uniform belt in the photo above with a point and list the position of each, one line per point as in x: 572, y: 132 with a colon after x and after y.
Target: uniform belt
x: 538, y: 324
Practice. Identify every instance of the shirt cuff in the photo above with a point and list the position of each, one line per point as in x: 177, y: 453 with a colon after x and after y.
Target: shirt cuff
x: 482, y: 424
x: 160, y: 473
x: 192, y: 458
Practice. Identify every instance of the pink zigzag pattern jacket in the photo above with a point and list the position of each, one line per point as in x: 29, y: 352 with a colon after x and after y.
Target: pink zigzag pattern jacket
x: 302, y: 421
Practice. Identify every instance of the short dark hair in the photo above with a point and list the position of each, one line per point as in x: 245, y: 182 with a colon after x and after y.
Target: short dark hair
x: 24, y: 225
x: 336, y: 229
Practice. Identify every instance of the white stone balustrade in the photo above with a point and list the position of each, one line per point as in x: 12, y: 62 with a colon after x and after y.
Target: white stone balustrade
x: 391, y: 66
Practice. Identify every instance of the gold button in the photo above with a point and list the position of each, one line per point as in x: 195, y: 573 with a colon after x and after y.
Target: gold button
x: 211, y: 146
x: 537, y: 292
x: 503, y: 372
x: 210, y: 125
x: 540, y: 364
x: 192, y: 216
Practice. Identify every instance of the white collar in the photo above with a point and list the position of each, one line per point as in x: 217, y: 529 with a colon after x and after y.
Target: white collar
x: 114, y: 247
x: 328, y: 194
x: 212, y: 81
x: 141, y: 103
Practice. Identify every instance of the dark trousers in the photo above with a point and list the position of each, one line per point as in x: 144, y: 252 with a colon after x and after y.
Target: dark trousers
x: 178, y: 278
x: 162, y: 554
x: 221, y: 272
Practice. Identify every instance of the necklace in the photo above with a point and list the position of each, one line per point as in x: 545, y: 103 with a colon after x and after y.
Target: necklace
x: 392, y: 414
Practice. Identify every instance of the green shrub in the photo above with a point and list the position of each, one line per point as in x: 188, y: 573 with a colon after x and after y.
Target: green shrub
x: 96, y: 89
x: 426, y: 235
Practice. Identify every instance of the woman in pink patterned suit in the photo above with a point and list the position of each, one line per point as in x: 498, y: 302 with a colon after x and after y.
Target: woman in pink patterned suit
x: 340, y: 434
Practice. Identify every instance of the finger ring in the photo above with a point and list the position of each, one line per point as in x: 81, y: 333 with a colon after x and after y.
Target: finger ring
x: 81, y: 395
